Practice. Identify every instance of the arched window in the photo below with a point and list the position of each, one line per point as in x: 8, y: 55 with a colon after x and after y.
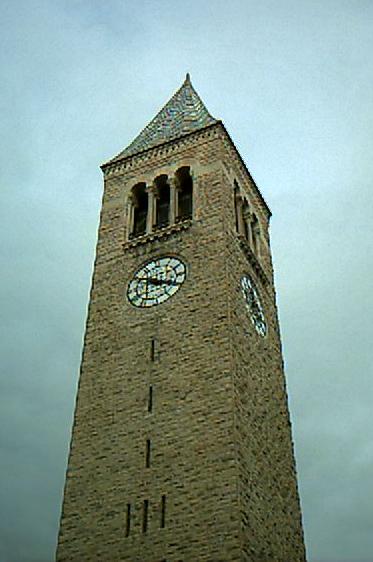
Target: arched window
x: 255, y: 233
x: 140, y: 210
x: 185, y: 194
x: 163, y: 201
x: 245, y: 210
x: 237, y: 206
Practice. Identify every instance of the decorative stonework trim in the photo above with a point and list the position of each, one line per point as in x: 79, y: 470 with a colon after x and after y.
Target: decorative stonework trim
x: 158, y: 234
x: 216, y: 130
x: 253, y: 260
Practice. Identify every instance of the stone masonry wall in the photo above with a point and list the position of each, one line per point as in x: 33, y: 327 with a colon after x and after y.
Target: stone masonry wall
x: 271, y: 526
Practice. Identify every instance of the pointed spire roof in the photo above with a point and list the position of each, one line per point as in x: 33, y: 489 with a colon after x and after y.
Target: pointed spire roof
x: 184, y: 113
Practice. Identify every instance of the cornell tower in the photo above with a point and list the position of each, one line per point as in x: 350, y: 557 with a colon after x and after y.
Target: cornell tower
x: 181, y: 447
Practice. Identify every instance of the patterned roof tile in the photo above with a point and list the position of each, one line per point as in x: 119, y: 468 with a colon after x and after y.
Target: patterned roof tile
x: 184, y: 113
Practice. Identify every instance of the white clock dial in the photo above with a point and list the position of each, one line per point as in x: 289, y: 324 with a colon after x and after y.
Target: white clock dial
x: 156, y: 281
x: 253, y: 305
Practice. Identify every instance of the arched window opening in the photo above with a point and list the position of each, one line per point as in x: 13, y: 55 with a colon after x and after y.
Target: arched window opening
x: 185, y: 194
x: 140, y: 209
x: 246, y: 219
x: 163, y: 201
x: 255, y: 233
x: 237, y: 205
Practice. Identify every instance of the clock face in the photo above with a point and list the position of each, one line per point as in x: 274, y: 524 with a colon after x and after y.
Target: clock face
x: 253, y: 305
x: 156, y: 281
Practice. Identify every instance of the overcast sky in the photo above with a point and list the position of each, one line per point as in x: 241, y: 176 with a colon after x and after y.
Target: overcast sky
x: 292, y: 80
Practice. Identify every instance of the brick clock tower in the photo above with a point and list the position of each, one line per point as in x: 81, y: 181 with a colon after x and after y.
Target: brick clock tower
x: 181, y: 448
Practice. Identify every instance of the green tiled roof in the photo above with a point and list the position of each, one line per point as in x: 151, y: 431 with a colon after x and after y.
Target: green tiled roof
x: 183, y: 114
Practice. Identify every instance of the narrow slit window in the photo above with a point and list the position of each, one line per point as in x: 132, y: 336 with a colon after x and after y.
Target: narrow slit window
x: 145, y: 516
x: 147, y: 453
x: 150, y: 399
x: 128, y: 520
x: 153, y: 349
x: 163, y: 512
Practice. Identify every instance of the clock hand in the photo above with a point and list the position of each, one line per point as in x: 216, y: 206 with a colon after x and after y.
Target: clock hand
x: 156, y: 281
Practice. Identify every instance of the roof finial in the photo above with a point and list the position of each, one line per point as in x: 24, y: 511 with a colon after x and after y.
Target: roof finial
x: 187, y: 78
